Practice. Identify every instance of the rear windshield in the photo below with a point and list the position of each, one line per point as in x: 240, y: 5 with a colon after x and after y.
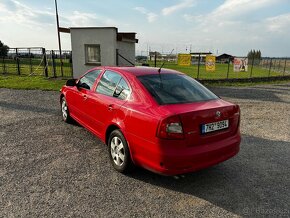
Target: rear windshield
x: 175, y: 89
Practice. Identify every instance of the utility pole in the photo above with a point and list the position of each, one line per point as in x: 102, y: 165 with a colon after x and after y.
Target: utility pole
x: 58, y: 35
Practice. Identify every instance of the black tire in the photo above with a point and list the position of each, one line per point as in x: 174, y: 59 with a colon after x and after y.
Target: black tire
x: 119, y: 152
x: 65, y: 111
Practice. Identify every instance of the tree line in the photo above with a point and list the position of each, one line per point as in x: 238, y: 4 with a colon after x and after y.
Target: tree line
x: 3, y: 49
x: 254, y: 54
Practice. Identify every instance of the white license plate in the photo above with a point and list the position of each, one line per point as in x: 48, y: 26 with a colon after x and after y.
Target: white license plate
x: 211, y: 127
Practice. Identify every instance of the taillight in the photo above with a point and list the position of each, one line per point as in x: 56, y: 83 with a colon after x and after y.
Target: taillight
x: 170, y: 128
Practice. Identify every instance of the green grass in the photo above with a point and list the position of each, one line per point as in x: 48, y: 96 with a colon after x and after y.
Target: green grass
x: 35, y: 66
x: 247, y: 84
x: 220, y: 72
x: 30, y: 82
x: 38, y: 81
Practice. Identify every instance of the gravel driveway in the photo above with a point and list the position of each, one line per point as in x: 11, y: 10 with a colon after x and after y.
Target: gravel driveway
x: 52, y: 169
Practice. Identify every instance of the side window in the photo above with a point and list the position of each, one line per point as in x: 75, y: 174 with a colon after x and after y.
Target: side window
x: 108, y: 83
x: 112, y: 84
x: 87, y: 81
x: 122, y: 91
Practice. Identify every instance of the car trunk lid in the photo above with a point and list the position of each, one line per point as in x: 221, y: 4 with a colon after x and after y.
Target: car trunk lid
x: 200, y: 117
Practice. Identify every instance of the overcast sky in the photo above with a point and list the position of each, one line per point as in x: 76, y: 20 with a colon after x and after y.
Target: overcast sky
x: 219, y: 26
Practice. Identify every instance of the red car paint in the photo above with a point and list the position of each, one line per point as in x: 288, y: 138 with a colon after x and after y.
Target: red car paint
x: 140, y: 118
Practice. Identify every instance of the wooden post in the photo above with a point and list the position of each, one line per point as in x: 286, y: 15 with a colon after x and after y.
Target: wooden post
x: 198, y: 65
x: 4, y: 67
x: 58, y: 36
x: 44, y: 62
x: 228, y: 68
x: 270, y: 67
x: 30, y: 61
x: 53, y: 63
x: 285, y: 66
x: 253, y: 59
x: 17, y: 62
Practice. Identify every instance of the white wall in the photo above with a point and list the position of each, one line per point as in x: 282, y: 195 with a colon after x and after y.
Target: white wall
x: 106, y: 37
x: 127, y: 50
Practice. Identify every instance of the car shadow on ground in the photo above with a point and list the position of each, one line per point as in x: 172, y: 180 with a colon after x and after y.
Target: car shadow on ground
x: 260, y: 93
x: 254, y: 183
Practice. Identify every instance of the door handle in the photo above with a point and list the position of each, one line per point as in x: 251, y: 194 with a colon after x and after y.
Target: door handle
x: 110, y: 107
x: 85, y: 97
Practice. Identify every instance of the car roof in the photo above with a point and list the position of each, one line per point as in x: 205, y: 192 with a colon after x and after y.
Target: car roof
x: 140, y: 71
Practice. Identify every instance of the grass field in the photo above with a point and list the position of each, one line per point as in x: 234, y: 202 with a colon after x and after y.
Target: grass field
x: 221, y: 71
x: 32, y: 76
x: 30, y: 82
x: 35, y: 66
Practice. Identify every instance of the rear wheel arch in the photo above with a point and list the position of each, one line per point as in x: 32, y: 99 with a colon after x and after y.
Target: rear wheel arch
x: 112, y: 128
x: 109, y: 130
x: 61, y: 96
x: 120, y: 155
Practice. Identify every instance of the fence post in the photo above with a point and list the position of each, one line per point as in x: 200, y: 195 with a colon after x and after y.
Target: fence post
x: 198, y: 65
x: 53, y: 63
x: 285, y: 66
x: 17, y: 62
x: 44, y: 62
x: 228, y: 68
x: 279, y: 65
x: 155, y: 60
x: 253, y: 59
x: 4, y: 67
x: 270, y: 67
x: 71, y: 65
x: 30, y: 60
x: 274, y: 64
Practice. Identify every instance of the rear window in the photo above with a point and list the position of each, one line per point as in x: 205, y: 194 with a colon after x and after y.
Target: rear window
x: 175, y: 89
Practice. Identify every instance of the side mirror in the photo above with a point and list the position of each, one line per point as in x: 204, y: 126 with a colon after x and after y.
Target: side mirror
x: 71, y: 82
x: 83, y: 85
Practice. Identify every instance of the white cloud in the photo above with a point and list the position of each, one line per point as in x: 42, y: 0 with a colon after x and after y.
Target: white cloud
x: 278, y: 24
x: 183, y: 4
x: 21, y: 14
x: 236, y: 8
x: 151, y: 17
x: 231, y: 28
x: 81, y: 19
x: 33, y: 18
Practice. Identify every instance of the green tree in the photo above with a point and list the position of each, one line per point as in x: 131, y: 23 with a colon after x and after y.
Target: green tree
x: 3, y: 49
x: 254, y: 55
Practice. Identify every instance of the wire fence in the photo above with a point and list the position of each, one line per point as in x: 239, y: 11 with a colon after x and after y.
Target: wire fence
x: 36, y: 62
x: 224, y: 68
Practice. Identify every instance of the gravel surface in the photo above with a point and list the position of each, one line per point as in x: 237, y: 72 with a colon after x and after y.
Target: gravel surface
x: 52, y: 169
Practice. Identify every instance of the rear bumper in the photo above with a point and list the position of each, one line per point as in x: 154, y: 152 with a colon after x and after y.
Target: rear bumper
x: 185, y: 160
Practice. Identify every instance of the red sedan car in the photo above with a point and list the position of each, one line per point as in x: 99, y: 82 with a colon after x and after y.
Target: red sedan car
x: 161, y: 120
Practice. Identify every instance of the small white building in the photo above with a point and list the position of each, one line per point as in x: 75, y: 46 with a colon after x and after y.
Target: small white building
x: 101, y: 46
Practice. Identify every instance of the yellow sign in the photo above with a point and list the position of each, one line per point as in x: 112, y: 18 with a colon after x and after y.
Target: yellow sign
x: 184, y: 59
x: 210, y: 63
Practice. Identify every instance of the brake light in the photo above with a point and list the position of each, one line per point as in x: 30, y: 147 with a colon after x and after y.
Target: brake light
x: 170, y: 128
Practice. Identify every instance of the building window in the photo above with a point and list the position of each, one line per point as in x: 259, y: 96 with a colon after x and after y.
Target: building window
x: 93, y: 54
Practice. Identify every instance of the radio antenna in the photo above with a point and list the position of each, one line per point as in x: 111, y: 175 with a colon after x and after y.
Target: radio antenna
x: 159, y: 70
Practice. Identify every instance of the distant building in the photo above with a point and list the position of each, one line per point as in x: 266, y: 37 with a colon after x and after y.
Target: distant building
x: 225, y: 58
x: 195, y: 56
x: 96, y: 46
